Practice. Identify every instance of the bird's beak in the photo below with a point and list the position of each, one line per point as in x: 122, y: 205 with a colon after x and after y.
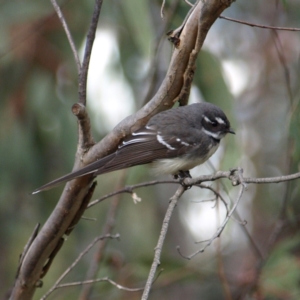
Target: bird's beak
x: 230, y: 130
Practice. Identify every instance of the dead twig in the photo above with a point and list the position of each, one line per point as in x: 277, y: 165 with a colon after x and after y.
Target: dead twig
x: 259, y: 26
x: 72, y: 266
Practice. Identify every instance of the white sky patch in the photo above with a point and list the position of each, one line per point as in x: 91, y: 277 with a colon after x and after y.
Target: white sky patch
x: 202, y: 218
x: 109, y: 96
x: 195, y: 96
x: 236, y: 75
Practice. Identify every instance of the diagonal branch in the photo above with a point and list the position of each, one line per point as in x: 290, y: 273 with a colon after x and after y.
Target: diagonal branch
x: 68, y: 270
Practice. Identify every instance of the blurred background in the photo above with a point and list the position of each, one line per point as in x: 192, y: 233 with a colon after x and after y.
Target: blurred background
x: 251, y: 73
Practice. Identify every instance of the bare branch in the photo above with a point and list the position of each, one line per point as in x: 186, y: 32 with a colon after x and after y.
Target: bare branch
x: 277, y: 179
x: 240, y: 220
x: 88, y: 51
x: 217, y: 194
x: 158, y: 248
x: 259, y: 26
x: 189, y: 3
x: 107, y: 229
x: 129, y: 189
x: 120, y: 287
x: 85, y: 139
x: 221, y: 228
x: 235, y: 180
x: 198, y: 180
x: 68, y: 33
x: 56, y: 285
x: 28, y: 244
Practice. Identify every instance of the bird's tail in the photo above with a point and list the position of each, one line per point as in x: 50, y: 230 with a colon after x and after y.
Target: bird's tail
x: 91, y: 168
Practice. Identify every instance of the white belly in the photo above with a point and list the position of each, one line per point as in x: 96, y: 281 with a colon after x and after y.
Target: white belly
x: 173, y: 165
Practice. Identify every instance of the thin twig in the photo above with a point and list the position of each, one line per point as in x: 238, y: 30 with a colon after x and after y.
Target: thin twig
x: 68, y: 33
x: 162, y: 9
x: 107, y: 229
x: 220, y: 262
x: 129, y: 189
x: 235, y: 181
x: 259, y: 26
x: 120, y: 287
x: 87, y: 52
x: 277, y: 179
x: 194, y: 181
x: 68, y: 270
x: 158, y: 248
x: 221, y: 228
x: 217, y: 194
x: 189, y: 3
x: 240, y: 220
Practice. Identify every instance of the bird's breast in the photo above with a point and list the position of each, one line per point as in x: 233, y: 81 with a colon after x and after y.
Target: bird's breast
x: 185, y: 162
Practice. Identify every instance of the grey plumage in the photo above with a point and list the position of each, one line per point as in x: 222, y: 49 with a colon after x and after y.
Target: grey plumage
x: 175, y: 140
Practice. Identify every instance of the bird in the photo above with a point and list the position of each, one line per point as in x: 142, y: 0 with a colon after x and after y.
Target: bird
x: 174, y: 141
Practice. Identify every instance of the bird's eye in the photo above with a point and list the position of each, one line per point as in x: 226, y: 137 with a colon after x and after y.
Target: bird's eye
x: 214, y: 124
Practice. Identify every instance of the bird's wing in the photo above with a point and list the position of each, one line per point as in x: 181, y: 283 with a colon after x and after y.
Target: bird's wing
x: 145, y: 146
x: 142, y: 147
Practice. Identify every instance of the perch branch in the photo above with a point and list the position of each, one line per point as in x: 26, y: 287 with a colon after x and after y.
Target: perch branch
x: 198, y: 180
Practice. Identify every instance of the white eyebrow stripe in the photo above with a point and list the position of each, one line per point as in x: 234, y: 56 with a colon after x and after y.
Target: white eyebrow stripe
x: 161, y: 140
x: 219, y: 120
x: 215, y: 135
x: 207, y: 119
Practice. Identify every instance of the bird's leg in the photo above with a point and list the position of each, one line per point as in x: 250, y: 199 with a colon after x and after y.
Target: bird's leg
x: 181, y: 175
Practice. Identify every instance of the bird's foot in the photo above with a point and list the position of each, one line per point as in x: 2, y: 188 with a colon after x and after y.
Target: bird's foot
x: 181, y: 175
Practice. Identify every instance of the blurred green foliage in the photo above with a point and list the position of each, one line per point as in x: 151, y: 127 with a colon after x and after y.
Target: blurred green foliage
x: 38, y: 136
